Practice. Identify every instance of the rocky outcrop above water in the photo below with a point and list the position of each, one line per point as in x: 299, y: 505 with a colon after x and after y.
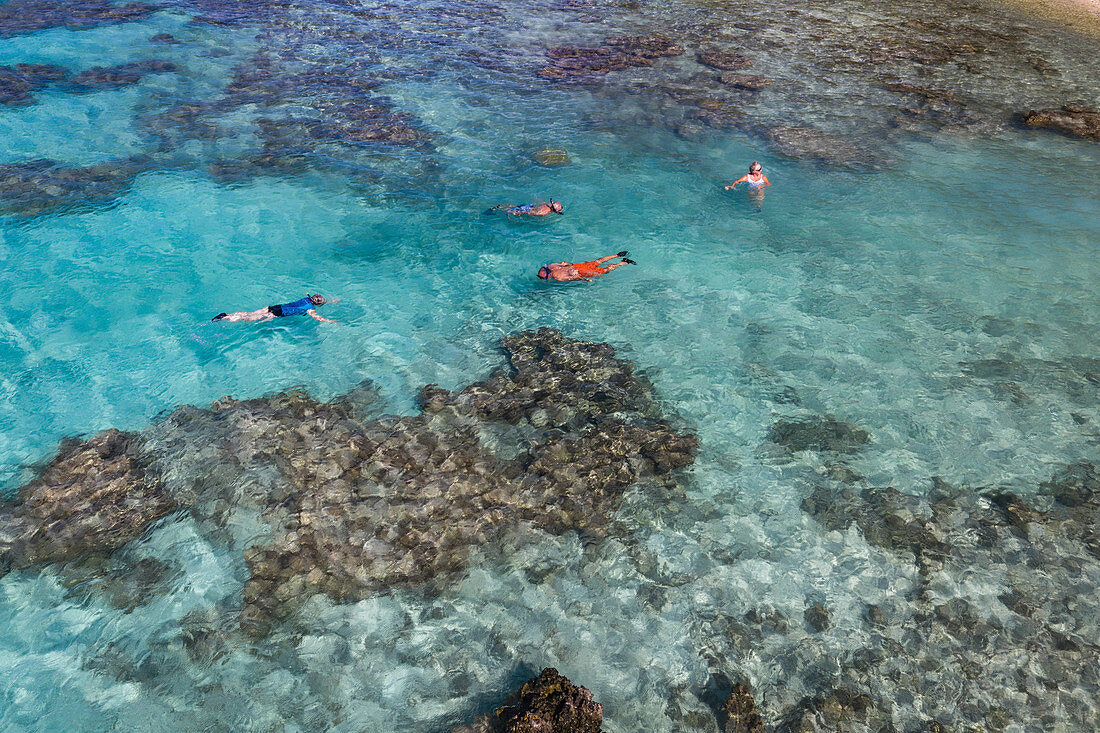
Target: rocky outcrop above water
x: 549, y: 703
x: 1072, y: 119
x: 357, y: 504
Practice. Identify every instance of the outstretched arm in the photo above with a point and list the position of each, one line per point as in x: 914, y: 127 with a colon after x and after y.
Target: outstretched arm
x: 317, y: 316
x: 742, y: 179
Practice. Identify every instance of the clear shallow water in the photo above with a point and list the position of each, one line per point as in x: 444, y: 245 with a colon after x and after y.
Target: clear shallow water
x: 864, y: 293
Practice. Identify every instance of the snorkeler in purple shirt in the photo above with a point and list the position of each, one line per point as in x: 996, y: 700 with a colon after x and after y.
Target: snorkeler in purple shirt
x: 305, y: 305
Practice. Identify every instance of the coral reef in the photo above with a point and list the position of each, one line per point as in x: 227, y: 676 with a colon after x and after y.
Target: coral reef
x: 303, y: 90
x: 839, y: 709
x: 94, y: 497
x: 747, y: 82
x: 617, y: 53
x: 415, y: 496
x: 807, y: 143
x: 359, y: 505
x: 549, y: 703
x: 19, y: 17
x: 552, y: 157
x: 1040, y: 631
x: 17, y: 82
x: 724, y: 60
x: 100, y: 78
x: 821, y: 433
x: 741, y: 709
x: 41, y: 186
x: 1072, y: 119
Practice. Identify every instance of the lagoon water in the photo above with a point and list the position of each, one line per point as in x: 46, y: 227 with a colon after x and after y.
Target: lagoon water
x: 940, y: 294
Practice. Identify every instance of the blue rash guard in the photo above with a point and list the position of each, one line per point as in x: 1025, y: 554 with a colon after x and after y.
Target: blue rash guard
x: 293, y: 309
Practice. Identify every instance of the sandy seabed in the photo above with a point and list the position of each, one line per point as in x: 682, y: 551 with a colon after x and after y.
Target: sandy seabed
x: 1082, y: 15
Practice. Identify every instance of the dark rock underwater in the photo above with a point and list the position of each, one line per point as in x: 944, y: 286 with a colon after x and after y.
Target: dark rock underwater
x: 357, y: 505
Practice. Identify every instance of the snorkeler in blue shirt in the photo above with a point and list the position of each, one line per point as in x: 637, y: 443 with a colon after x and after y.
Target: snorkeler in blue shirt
x: 539, y: 209
x: 307, y: 305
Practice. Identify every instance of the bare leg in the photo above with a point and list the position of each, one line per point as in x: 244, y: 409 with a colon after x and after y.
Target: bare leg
x: 263, y: 314
x: 605, y: 259
x: 609, y: 268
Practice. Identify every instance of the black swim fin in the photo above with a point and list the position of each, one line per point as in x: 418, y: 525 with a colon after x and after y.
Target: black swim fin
x: 624, y: 253
x: 629, y: 262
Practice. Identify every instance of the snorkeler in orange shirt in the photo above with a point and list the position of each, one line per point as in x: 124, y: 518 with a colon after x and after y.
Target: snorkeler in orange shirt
x: 567, y: 271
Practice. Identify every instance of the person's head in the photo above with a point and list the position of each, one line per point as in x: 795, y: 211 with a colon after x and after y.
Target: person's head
x: 316, y: 299
x: 544, y: 272
x: 755, y: 167
x: 556, y: 206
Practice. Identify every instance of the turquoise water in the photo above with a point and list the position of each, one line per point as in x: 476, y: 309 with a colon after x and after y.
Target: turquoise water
x: 863, y: 292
